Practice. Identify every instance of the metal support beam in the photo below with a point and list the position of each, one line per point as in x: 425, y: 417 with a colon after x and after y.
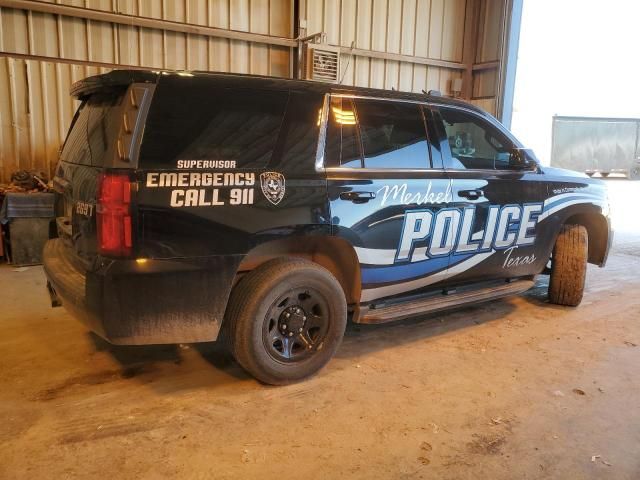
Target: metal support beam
x: 404, y: 58
x: 71, y: 61
x: 509, y: 62
x: 144, y: 22
x: 469, y: 46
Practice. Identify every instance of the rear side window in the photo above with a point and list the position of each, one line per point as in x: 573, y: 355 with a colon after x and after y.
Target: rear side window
x: 94, y: 132
x: 474, y: 142
x: 201, y: 122
x: 393, y: 134
x: 376, y: 134
x: 343, y: 143
x: 297, y: 145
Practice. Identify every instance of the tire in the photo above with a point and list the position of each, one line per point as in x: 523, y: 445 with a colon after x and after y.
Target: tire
x: 634, y: 173
x: 271, y: 306
x: 569, y: 266
x: 604, y: 174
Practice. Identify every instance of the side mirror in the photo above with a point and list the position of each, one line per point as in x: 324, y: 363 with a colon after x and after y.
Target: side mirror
x: 523, y: 159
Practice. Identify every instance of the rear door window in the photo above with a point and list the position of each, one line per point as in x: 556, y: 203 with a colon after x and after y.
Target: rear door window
x: 236, y: 126
x: 393, y: 134
x: 343, y: 142
x: 376, y: 134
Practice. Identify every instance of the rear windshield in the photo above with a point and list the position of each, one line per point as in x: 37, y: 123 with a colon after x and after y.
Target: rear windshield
x: 94, y: 131
x: 226, y: 126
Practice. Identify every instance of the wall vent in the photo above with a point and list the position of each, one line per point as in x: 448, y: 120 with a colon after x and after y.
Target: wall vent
x: 323, y: 63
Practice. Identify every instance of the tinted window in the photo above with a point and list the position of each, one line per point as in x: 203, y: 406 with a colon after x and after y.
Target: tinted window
x: 342, y: 143
x: 197, y: 121
x: 94, y: 132
x: 474, y: 142
x: 393, y: 134
x: 298, y: 143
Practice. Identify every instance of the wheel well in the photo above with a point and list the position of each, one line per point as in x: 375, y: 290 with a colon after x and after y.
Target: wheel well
x: 598, y: 231
x: 333, y: 253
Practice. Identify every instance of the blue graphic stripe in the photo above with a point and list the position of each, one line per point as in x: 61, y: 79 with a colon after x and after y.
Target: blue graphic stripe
x: 408, y: 271
x: 569, y: 199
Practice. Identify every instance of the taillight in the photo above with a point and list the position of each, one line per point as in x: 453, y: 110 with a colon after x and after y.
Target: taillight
x: 113, y: 215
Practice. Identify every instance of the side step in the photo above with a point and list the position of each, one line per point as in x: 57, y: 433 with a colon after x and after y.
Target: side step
x: 411, y: 308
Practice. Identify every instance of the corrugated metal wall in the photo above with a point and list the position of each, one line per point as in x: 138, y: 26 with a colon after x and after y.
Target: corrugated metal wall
x: 422, y: 28
x: 42, y: 54
x: 427, y: 29
x: 35, y: 106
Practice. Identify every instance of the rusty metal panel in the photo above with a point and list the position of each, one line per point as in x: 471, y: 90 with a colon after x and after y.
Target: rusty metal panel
x: 489, y: 49
x: 490, y: 31
x: 487, y: 104
x: 485, y: 83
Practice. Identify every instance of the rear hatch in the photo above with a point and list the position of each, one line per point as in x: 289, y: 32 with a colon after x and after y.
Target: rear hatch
x: 95, y: 172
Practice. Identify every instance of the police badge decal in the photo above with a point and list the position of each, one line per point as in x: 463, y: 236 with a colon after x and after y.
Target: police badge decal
x: 273, y: 187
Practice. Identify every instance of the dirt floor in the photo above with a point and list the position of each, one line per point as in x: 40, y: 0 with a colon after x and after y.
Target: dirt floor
x: 516, y: 388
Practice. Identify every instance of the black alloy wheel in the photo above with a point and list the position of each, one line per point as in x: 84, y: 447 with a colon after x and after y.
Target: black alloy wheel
x: 296, y: 325
x: 285, y: 319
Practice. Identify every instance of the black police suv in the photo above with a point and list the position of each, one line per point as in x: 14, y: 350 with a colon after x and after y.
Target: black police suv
x: 195, y: 207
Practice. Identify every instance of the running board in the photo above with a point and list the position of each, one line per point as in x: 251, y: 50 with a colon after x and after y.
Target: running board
x: 411, y: 308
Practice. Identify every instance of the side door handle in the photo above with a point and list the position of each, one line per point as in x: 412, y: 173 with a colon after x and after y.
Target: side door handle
x: 357, y: 197
x: 471, y: 194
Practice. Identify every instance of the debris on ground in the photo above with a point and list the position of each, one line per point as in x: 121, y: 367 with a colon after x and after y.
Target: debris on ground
x: 577, y: 391
x: 558, y: 393
x: 245, y: 456
x: 23, y: 181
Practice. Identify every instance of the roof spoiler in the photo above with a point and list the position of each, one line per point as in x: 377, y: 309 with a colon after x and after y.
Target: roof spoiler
x: 117, y: 78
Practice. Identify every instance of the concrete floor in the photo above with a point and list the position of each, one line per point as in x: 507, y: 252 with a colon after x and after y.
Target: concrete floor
x: 516, y: 388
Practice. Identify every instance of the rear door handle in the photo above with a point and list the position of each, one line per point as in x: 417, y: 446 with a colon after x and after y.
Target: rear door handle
x: 357, y: 197
x: 471, y: 194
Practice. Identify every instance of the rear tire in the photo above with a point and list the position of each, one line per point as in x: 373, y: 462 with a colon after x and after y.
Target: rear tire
x: 285, y: 320
x: 569, y: 266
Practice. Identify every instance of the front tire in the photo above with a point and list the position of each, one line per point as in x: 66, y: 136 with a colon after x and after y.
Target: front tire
x: 286, y: 319
x: 569, y: 266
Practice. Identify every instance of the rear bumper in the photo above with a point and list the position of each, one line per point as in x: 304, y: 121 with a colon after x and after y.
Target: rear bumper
x: 130, y: 303
x: 66, y: 284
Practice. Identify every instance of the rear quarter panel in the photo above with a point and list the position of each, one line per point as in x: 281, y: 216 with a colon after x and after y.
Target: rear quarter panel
x: 221, y: 208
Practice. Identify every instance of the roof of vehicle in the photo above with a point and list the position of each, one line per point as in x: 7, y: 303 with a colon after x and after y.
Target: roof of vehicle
x: 89, y: 85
